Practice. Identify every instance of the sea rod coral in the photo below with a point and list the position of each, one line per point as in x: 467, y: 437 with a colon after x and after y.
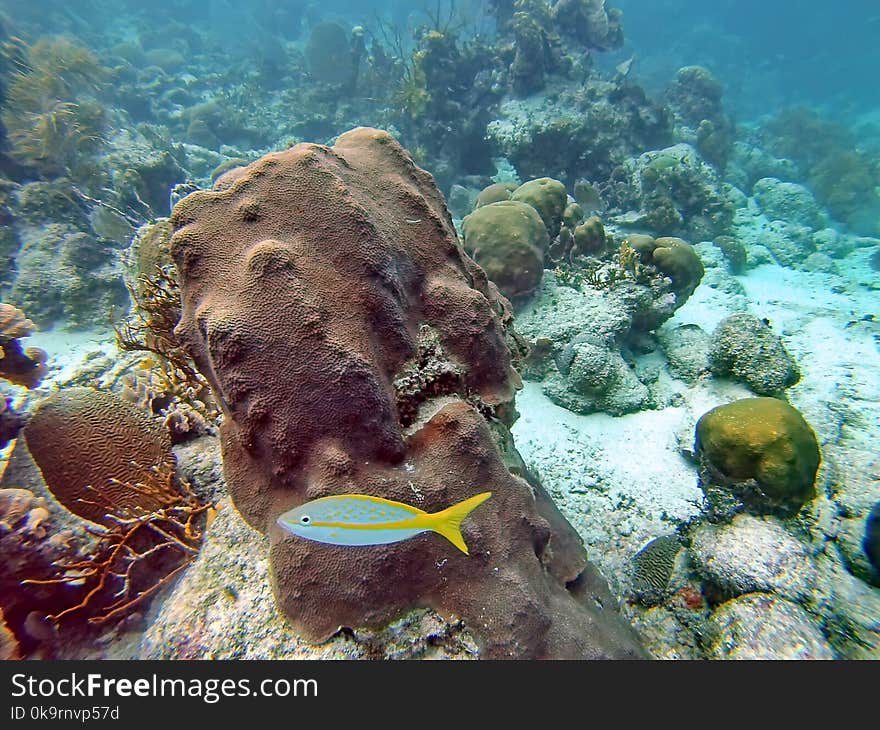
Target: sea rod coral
x: 308, y: 280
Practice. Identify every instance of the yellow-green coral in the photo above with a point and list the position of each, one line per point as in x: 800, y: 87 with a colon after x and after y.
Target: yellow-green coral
x: 766, y: 442
x: 49, y: 120
x: 412, y: 95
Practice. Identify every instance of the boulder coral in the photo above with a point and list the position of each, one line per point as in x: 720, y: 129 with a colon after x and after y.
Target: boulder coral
x: 105, y: 462
x: 762, y: 451
x: 508, y: 240
x: 548, y: 197
x: 116, y: 443
x: 307, y: 283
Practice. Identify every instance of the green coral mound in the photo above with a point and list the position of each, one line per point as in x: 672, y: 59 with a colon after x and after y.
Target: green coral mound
x: 508, y: 239
x: 548, y: 197
x: 495, y: 193
x: 762, y: 450
x: 681, y: 263
x: 674, y: 257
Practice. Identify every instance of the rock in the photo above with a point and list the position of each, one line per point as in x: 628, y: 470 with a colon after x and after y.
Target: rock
x: 753, y: 554
x: 832, y: 243
x: 820, y: 263
x: 687, y: 350
x: 789, y: 243
x: 758, y: 626
x: 787, y: 202
x: 746, y: 349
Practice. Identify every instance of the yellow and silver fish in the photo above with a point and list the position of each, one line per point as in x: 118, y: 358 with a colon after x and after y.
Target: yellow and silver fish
x: 359, y: 519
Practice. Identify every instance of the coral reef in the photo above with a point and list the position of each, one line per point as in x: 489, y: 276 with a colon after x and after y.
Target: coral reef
x: 289, y: 233
x: 65, y: 275
x: 579, y: 134
x: 762, y: 451
x: 695, y: 97
x: 52, y: 120
x: 745, y: 348
x: 671, y: 192
x: 842, y: 176
x: 508, y: 240
x: 25, y: 367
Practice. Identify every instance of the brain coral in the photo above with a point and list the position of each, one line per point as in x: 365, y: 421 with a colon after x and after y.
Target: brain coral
x: 307, y: 282
x: 92, y: 448
x: 763, y: 450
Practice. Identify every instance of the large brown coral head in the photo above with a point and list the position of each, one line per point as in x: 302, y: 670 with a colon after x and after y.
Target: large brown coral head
x: 356, y: 348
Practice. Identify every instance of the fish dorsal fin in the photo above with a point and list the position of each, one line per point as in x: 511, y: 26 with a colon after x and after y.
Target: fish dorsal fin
x: 448, y: 521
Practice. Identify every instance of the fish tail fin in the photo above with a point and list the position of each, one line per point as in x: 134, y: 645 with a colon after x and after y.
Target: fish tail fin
x: 448, y: 521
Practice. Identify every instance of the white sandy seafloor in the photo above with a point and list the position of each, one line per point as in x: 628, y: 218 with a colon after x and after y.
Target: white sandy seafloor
x: 73, y: 355
x: 622, y: 481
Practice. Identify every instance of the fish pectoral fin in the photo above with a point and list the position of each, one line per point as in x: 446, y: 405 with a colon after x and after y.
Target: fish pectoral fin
x: 448, y: 522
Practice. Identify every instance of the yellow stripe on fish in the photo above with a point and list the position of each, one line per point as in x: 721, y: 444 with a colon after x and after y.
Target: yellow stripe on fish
x: 359, y: 519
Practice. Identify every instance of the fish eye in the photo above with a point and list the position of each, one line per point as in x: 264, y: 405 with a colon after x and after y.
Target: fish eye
x: 305, y: 519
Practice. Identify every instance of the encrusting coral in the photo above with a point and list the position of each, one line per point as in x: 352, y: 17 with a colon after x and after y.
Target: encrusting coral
x: 306, y: 281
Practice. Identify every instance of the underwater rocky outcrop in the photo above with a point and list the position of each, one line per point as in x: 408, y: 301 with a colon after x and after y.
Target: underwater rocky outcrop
x: 670, y: 192
x: 325, y: 295
x: 19, y: 365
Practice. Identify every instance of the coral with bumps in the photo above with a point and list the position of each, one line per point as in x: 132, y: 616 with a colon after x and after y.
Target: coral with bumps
x: 495, y: 193
x: 548, y: 197
x: 745, y: 348
x: 762, y: 451
x: 508, y: 239
x: 673, y: 257
x: 333, y: 260
x: 25, y: 367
